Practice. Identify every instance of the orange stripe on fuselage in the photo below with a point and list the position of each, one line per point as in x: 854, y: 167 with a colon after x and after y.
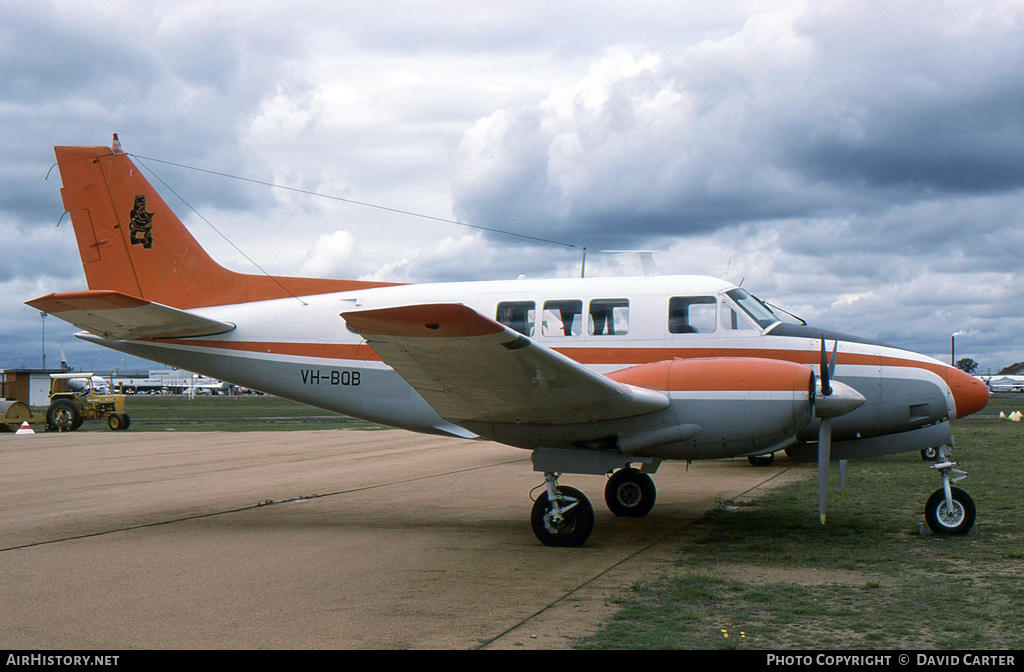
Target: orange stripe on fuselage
x: 360, y: 352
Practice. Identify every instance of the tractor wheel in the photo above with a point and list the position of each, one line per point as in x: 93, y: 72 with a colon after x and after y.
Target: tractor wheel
x: 64, y: 416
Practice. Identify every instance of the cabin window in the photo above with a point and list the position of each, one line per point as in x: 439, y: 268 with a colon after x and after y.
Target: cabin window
x: 608, y: 317
x: 562, y: 318
x: 691, y: 314
x: 518, y: 315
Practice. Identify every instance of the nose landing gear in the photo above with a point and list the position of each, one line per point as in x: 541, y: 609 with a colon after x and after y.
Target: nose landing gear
x: 949, y: 510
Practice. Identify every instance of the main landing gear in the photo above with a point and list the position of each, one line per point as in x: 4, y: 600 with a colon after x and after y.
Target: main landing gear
x: 563, y: 516
x: 949, y: 510
x: 630, y: 493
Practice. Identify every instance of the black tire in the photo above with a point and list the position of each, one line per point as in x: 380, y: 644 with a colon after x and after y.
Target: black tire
x: 762, y: 460
x: 127, y: 421
x: 63, y: 415
x: 115, y: 422
x: 930, y: 454
x: 959, y: 521
x: 576, y: 525
x: 630, y: 493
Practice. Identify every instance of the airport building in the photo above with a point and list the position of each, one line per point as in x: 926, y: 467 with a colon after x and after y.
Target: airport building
x: 30, y: 386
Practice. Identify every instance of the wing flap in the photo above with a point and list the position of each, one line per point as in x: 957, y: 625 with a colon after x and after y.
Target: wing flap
x: 116, y: 316
x: 471, y: 368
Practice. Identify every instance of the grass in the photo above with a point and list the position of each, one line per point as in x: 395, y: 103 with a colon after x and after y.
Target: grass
x: 767, y: 575
x: 162, y: 413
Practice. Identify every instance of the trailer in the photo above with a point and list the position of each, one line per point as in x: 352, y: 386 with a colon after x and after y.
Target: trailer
x: 13, y: 413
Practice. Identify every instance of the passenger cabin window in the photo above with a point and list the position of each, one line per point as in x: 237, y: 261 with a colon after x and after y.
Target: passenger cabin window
x: 691, y: 314
x: 562, y: 318
x: 608, y: 317
x: 518, y: 315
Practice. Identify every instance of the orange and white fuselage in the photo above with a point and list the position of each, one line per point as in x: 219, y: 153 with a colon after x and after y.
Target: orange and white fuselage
x: 303, y: 350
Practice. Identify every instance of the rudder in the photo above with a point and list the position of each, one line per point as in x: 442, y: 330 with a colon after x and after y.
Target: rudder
x: 131, y: 242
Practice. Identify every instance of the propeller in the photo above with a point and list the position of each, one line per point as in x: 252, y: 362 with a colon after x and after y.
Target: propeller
x: 835, y: 399
x: 828, y: 369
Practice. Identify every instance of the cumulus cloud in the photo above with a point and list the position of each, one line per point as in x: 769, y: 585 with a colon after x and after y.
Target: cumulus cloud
x: 806, y: 112
x: 330, y: 256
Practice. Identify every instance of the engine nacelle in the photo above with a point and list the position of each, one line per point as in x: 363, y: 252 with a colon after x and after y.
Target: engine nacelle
x: 743, y: 405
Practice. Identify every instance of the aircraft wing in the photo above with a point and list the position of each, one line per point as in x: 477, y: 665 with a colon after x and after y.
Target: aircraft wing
x: 471, y: 368
x: 116, y: 316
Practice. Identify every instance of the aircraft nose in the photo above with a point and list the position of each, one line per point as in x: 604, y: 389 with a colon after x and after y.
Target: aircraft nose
x: 969, y: 393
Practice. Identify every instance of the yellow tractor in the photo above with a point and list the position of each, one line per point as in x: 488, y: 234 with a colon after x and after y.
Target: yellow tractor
x: 74, y: 399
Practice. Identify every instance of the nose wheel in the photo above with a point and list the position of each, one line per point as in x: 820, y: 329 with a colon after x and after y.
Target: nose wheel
x: 955, y: 516
x: 949, y: 510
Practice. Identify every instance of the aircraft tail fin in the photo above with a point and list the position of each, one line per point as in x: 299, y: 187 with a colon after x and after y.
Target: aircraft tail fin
x: 131, y: 242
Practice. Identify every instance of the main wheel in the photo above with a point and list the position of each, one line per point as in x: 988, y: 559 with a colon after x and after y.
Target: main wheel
x: 575, y: 526
x: 761, y: 460
x: 955, y: 521
x: 63, y: 416
x: 630, y: 493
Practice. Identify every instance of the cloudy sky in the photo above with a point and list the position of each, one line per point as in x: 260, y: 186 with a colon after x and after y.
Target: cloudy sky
x: 859, y: 163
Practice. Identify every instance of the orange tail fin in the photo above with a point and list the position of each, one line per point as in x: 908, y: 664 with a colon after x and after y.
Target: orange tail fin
x: 131, y: 242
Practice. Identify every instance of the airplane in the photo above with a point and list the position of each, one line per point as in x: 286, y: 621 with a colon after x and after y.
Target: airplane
x: 84, y: 382
x: 591, y: 375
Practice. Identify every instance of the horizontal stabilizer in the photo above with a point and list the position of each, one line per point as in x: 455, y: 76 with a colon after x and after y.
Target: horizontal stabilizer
x: 471, y: 368
x: 116, y: 316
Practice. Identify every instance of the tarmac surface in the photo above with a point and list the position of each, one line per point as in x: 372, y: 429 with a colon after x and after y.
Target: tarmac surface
x: 336, y: 539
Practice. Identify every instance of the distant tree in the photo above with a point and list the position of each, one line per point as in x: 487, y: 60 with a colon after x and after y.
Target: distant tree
x: 967, y: 364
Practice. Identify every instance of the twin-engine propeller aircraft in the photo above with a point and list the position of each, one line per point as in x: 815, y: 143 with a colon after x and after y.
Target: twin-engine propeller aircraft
x: 593, y: 376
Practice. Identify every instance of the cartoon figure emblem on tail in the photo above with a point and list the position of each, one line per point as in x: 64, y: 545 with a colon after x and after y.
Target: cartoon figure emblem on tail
x: 142, y: 224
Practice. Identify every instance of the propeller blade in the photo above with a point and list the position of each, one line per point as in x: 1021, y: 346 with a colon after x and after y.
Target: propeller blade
x: 826, y: 387
x: 832, y: 360
x: 824, y: 448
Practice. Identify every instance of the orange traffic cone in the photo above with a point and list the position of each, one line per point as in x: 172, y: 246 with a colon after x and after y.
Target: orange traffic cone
x: 25, y: 429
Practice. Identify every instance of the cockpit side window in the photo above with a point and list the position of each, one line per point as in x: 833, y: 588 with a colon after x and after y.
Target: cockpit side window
x: 518, y: 315
x: 562, y: 318
x: 759, y: 312
x: 732, y: 320
x: 691, y: 314
x: 608, y: 317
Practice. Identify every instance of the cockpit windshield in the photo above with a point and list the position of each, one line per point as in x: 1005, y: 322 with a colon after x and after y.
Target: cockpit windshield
x: 753, y: 307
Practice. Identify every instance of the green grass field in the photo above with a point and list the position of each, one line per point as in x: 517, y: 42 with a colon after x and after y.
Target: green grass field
x: 767, y: 575
x: 158, y: 413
